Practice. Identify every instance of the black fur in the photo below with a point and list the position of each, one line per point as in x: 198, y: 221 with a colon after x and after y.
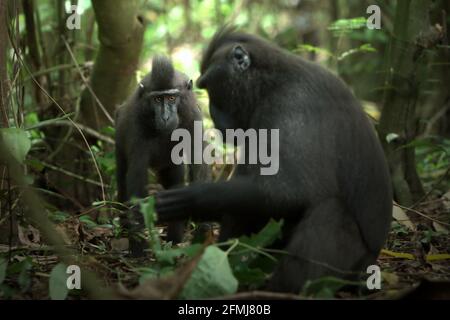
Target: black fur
x: 143, y: 141
x: 162, y: 74
x: 333, y: 188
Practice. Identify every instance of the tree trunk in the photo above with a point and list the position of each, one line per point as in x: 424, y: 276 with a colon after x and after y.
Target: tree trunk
x: 33, y: 48
x: 120, y: 32
x: 8, y: 220
x: 3, y: 78
x: 400, y: 98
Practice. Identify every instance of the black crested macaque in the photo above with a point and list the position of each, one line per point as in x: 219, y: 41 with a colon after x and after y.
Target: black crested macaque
x: 163, y: 102
x: 332, y: 189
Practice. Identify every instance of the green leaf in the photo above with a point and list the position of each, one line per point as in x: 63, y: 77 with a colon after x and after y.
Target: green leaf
x: 58, y: 282
x: 211, y: 278
x: 88, y: 221
x: 109, y: 130
x: 367, y: 47
x: 18, y: 267
x: 35, y: 164
x: 148, y: 211
x: 266, y: 236
x: 17, y: 142
x: 326, y: 287
x: 252, y: 277
x: 154, y: 273
x: 3, y: 267
x: 59, y: 216
x: 169, y: 256
x: 347, y: 25
x: 24, y: 278
x: 311, y: 48
x: 364, y: 48
x: 7, y: 292
x: 147, y: 208
x: 249, y: 263
x: 148, y: 273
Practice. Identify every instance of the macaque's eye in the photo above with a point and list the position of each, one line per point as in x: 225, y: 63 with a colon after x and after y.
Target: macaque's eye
x: 171, y: 98
x: 157, y: 99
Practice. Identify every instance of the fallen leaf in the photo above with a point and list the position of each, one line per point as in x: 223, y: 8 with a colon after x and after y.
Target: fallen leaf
x: 409, y: 256
x: 439, y: 227
x: 400, y: 215
x: 29, y: 235
x: 402, y: 255
x: 446, y: 201
x: 161, y: 288
x: 438, y: 257
x: 119, y: 245
x: 390, y: 278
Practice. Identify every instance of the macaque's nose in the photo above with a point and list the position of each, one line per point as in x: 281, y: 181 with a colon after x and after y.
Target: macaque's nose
x: 165, y: 113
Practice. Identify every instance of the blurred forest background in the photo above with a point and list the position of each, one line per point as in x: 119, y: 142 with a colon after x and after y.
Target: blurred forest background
x: 63, y: 75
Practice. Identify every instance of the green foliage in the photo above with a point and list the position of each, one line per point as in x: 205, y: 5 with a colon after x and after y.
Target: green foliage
x: 218, y: 272
x: 345, y: 26
x: 58, y: 216
x: 367, y: 47
x: 433, y: 161
x: 83, y: 6
x: 429, y: 235
x: 106, y: 161
x: 87, y: 220
x: 211, y: 278
x: 117, y: 227
x: 148, y: 210
x: 3, y: 267
x: 154, y: 272
x: 33, y: 122
x: 265, y: 237
x: 327, y: 287
x: 251, y: 264
x: 399, y: 229
x: 18, y: 272
x: 314, y: 49
x: 16, y: 140
x: 170, y: 255
x: 181, y: 29
x: 58, y: 282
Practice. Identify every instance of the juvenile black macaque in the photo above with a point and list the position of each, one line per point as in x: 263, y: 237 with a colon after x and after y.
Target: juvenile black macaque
x: 333, y: 187
x: 163, y: 102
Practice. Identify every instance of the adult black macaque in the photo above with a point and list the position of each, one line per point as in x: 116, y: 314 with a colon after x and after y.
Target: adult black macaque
x: 332, y: 189
x: 163, y: 102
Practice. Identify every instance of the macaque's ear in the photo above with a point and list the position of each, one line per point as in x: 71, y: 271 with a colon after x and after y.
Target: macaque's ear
x: 189, y: 85
x: 241, y: 58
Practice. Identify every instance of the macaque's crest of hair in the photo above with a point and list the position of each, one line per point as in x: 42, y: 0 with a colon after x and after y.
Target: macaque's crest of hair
x: 162, y: 73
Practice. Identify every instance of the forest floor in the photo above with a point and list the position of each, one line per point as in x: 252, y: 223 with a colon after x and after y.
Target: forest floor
x: 415, y: 261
